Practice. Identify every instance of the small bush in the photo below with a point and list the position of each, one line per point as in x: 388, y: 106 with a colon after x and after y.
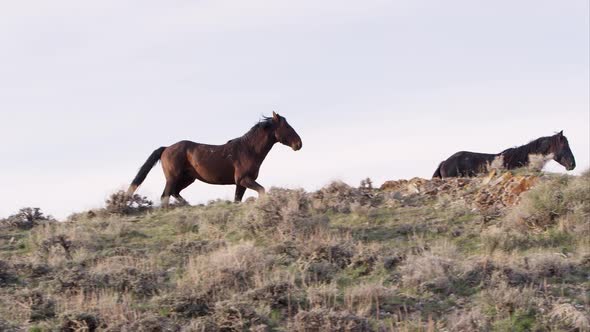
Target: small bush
x: 7, y: 275
x: 237, y: 316
x: 149, y: 322
x: 79, y: 321
x: 323, y: 258
x: 187, y: 304
x: 506, y: 239
x: 548, y: 265
x: 121, y: 204
x: 7, y: 327
x: 286, y: 213
x: 130, y: 279
x: 501, y: 299
x: 26, y: 218
x: 40, y: 307
x: 570, y: 316
x: 276, y: 295
x: 62, y: 242
x: 544, y: 205
x: 469, y: 319
x: 434, y: 269
x: 226, y: 270
x: 365, y: 299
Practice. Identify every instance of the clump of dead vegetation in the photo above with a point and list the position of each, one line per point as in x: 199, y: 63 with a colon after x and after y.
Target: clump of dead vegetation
x: 417, y: 255
x: 118, y: 204
x: 26, y: 218
x: 562, y: 201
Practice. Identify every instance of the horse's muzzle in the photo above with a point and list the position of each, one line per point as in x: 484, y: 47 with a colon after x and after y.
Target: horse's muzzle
x: 297, y: 146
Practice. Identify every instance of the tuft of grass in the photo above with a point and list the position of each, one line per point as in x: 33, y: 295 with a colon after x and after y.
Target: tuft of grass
x: 433, y: 269
x: 571, y: 317
x: 560, y: 197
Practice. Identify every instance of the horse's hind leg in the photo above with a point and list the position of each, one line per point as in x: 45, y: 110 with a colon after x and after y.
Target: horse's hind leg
x: 170, y: 189
x: 165, y: 199
x: 186, y: 181
x: 180, y: 199
x: 240, y: 190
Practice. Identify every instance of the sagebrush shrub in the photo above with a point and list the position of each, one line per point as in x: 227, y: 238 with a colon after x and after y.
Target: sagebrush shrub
x: 26, y: 218
x: 544, y: 205
x: 120, y: 203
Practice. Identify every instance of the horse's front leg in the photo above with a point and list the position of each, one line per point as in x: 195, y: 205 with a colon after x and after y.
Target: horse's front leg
x: 250, y: 183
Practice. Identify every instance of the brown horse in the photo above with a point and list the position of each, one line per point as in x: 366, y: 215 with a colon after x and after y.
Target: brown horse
x: 468, y: 164
x: 235, y: 162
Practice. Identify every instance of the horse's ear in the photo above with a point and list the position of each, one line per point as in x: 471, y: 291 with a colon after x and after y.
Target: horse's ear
x: 275, y: 116
x: 559, y: 136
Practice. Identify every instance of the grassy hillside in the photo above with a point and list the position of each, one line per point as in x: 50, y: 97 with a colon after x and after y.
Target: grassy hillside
x: 455, y: 255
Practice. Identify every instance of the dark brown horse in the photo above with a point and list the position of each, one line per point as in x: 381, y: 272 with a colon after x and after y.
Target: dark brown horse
x: 467, y: 164
x: 235, y: 162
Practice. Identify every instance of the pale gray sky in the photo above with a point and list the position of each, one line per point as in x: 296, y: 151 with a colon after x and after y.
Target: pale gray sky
x: 384, y: 89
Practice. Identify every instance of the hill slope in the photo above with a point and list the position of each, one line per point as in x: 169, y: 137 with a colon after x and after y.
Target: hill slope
x: 417, y: 255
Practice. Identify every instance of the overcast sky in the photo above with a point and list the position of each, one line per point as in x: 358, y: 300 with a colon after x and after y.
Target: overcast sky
x: 380, y: 89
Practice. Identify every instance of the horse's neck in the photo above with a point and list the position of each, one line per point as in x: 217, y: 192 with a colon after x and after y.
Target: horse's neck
x: 261, y: 143
x: 521, y: 156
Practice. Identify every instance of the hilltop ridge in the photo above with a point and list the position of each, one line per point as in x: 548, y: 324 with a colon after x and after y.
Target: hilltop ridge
x: 507, y: 251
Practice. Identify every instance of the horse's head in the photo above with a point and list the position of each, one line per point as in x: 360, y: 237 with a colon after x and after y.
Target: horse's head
x: 284, y: 133
x: 562, y: 153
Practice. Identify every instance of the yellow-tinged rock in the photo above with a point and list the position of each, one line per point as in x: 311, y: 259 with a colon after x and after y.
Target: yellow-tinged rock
x: 490, y: 176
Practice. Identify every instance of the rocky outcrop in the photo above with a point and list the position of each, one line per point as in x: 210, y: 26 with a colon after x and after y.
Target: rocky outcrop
x: 494, y: 191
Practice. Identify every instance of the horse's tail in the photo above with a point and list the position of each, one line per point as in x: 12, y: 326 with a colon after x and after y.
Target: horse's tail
x: 437, y: 173
x: 145, y: 169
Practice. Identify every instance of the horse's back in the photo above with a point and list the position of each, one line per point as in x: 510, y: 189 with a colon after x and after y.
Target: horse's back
x: 186, y: 144
x: 465, y: 163
x: 187, y: 148
x: 470, y: 154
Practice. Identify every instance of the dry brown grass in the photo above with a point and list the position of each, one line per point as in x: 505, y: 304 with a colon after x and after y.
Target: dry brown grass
x: 571, y: 316
x: 320, y: 319
x: 552, y: 200
x: 434, y: 268
x: 366, y: 298
x: 231, y: 269
x: 505, y: 298
x: 322, y: 295
x: 117, y: 306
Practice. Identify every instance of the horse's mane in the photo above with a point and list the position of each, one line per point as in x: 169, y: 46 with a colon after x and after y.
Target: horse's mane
x: 264, y: 123
x: 520, y: 155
